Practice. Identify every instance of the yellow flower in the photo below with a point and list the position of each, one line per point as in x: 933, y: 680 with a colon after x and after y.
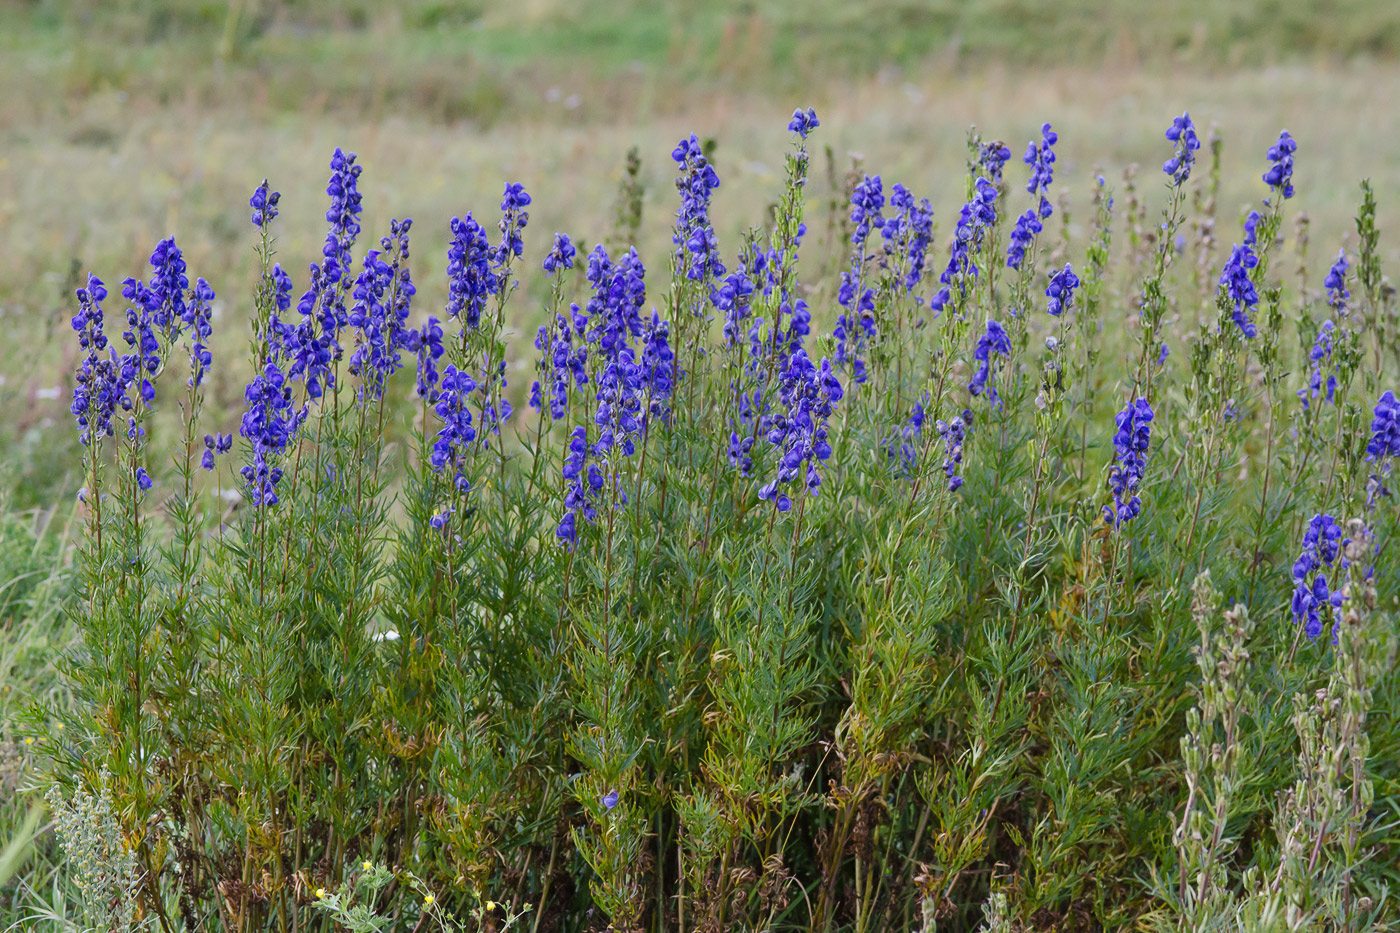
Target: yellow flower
x: 320, y: 893
x: 367, y: 866
x: 58, y: 726
x: 29, y: 740
x: 428, y: 899
x: 490, y: 905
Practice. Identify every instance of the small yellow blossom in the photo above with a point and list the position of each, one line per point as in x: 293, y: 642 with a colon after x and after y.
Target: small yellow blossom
x: 367, y: 866
x: 490, y: 905
x: 428, y: 899
x: 29, y: 740
x: 320, y: 893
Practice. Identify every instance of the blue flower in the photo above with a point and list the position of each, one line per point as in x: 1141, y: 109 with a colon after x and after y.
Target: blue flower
x: 215, y: 444
x: 143, y: 479
x: 584, y: 481
x: 994, y: 340
x: 1336, y: 283
x: 561, y: 363
x: 807, y: 395
x: 867, y: 199
x: 514, y: 218
x: 561, y: 255
x: 1061, y: 290
x: 803, y: 122
x: 974, y: 219
x: 1239, y: 288
x: 1183, y: 133
x: 99, y: 389
x: 1322, y: 547
x: 470, y: 278
x: 1320, y: 358
x: 908, y: 233
x: 610, y: 799
x: 427, y: 345
x: 1022, y: 237
x: 264, y: 205
x: 697, y: 249
x: 453, y: 440
x: 1280, y: 173
x: 1385, y: 429
x: 343, y: 215
x: 991, y: 158
x: 1041, y: 158
x: 269, y: 425
x: 198, y: 317
x: 1130, y: 445
x: 953, y: 433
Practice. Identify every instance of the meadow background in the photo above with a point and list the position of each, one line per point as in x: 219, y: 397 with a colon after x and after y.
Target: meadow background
x: 121, y: 122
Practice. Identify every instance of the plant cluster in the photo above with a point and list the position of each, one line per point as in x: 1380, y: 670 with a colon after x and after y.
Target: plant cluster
x: 861, y: 602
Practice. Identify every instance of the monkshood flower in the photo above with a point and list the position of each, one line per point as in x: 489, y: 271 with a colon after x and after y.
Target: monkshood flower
x: 1280, y: 173
x: 1251, y: 229
x: 1041, y: 158
x: 457, y: 434
x: 867, y: 200
x: 1061, y: 290
x: 99, y: 390
x: 514, y: 218
x: 374, y: 359
x: 807, y: 395
x: 164, y: 295
x: 658, y: 366
x: 732, y: 298
x: 584, y: 481
x: 953, y: 433
x: 803, y: 122
x: 561, y: 255
x: 470, y: 278
x: 1322, y: 546
x: 995, y: 340
x: 310, y: 352
x: 143, y: 479
x: 1183, y: 133
x: 852, y: 333
x: 904, y: 447
x: 495, y: 408
x: 697, y: 249
x: 1239, y: 288
x: 198, y: 313
x: 621, y: 413
x: 561, y: 364
x: 214, y: 445
x: 1130, y: 445
x: 268, y: 425
x: 427, y: 344
x: 613, y: 314
x: 1320, y: 358
x: 281, y: 287
x: 992, y: 158
x: 343, y: 215
x: 264, y: 205
x: 973, y: 220
x: 740, y: 453
x: 908, y: 233
x: 1336, y: 284
x: 1022, y: 236
x: 1385, y: 429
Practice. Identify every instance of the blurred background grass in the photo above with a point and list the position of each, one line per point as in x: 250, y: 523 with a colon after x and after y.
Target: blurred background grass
x: 125, y: 121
